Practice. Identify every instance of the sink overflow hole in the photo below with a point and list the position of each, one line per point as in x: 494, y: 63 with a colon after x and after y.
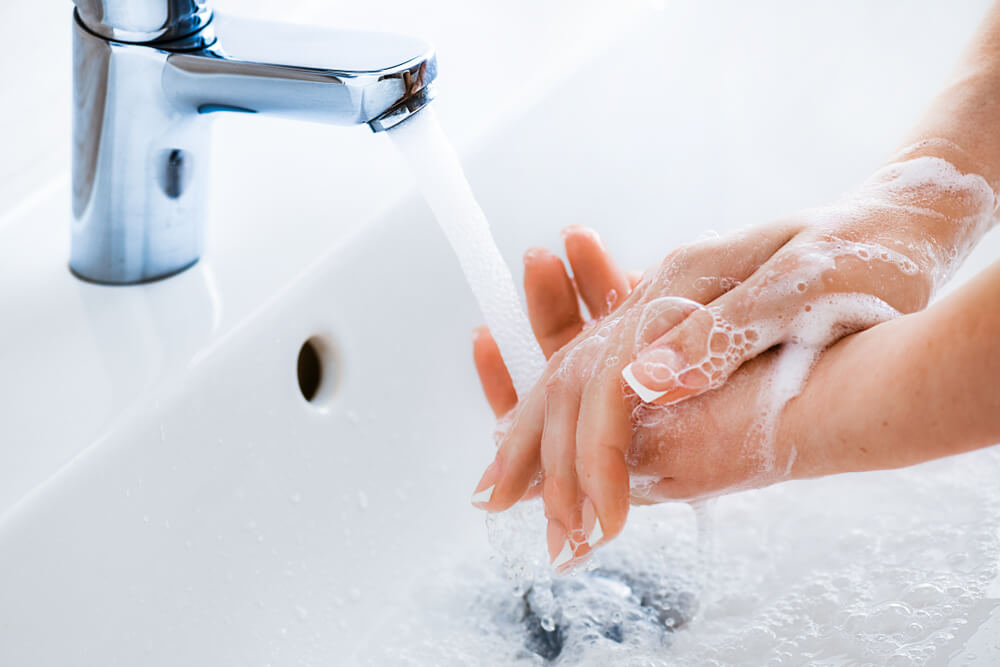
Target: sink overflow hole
x: 310, y: 368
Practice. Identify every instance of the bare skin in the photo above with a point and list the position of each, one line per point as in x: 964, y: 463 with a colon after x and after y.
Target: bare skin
x: 852, y: 415
x: 579, y: 429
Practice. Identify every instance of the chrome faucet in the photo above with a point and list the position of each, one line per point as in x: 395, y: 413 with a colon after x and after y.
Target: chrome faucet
x: 148, y: 75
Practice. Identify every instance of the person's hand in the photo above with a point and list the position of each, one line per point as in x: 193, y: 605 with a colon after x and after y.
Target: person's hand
x: 553, y: 301
x: 763, y: 285
x: 896, y: 239
x: 553, y: 305
x: 679, y: 452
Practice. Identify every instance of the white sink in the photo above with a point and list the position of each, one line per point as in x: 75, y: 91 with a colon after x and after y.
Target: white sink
x: 167, y: 495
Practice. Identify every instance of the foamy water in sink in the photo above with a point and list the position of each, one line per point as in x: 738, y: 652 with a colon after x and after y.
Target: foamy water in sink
x: 878, y: 568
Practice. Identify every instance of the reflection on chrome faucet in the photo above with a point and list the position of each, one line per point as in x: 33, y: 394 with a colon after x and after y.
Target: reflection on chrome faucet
x: 147, y: 78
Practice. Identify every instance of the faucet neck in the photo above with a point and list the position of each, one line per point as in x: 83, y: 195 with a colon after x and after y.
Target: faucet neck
x: 143, y: 21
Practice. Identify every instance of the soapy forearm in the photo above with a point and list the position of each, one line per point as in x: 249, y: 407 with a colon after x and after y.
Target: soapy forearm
x: 913, y: 389
x: 933, y: 199
x: 959, y: 138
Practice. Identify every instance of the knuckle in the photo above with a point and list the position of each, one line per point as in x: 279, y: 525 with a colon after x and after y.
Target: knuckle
x: 556, y: 386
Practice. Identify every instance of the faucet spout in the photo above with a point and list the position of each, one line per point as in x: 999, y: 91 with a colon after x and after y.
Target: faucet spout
x: 142, y: 114
x: 339, y: 77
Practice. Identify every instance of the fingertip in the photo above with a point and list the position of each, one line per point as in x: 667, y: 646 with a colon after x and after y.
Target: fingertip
x: 493, y: 376
x: 580, y: 232
x: 541, y: 267
x: 557, y: 541
x: 582, y: 241
x: 536, y: 253
x: 505, y: 495
x: 601, y: 283
x: 640, y: 385
x: 683, y: 359
x: 591, y: 524
x: 605, y: 485
x: 655, y: 371
x: 553, y: 308
x: 483, y: 493
x: 513, y: 482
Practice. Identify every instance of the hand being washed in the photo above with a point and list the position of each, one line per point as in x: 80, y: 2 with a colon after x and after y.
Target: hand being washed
x: 851, y: 415
x: 697, y: 438
x: 808, y: 281
x: 553, y: 301
x: 716, y: 342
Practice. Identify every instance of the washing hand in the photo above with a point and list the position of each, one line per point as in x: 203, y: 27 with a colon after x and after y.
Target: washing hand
x: 696, y: 429
x: 807, y: 281
x: 711, y: 375
x: 556, y: 319
x: 892, y: 242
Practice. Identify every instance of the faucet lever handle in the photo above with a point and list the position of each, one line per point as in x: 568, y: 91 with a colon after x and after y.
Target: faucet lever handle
x: 143, y: 21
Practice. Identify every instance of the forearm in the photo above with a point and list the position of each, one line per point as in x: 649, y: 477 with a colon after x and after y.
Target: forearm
x: 962, y: 124
x: 935, y: 198
x: 913, y: 389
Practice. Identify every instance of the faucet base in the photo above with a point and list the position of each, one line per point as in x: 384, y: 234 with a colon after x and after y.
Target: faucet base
x: 94, y: 281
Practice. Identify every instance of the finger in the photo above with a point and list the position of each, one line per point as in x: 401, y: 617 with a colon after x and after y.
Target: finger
x: 701, y: 352
x: 493, y: 375
x: 601, y: 283
x: 633, y: 278
x: 559, y: 487
x: 553, y: 307
x: 660, y: 315
x: 603, y: 437
x: 516, y: 465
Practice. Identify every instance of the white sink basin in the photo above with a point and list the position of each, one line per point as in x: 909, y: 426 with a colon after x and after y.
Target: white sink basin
x: 167, y: 495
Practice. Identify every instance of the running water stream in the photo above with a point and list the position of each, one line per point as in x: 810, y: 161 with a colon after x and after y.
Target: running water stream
x: 442, y: 181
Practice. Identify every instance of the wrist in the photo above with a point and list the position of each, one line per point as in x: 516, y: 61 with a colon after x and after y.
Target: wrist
x: 922, y: 213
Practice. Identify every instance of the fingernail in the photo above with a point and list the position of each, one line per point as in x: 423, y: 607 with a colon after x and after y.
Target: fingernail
x: 484, y: 490
x: 646, y: 394
x: 565, y: 556
x: 570, y: 230
x: 658, y: 365
x: 481, y: 498
x: 559, y: 546
x: 654, y: 372
x: 592, y: 523
x: 596, y: 535
x: 534, y: 252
